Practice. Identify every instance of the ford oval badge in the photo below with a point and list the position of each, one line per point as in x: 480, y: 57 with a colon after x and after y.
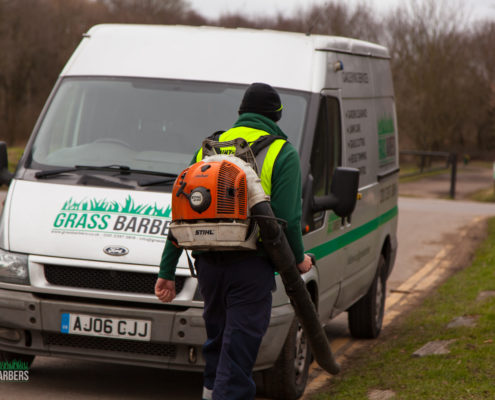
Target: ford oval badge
x: 116, y: 250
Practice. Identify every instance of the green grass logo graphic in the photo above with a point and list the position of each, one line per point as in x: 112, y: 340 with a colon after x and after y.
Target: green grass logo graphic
x: 386, y: 140
x: 386, y: 126
x: 128, y: 207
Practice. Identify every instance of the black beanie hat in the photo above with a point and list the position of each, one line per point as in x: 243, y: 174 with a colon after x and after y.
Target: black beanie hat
x: 262, y: 99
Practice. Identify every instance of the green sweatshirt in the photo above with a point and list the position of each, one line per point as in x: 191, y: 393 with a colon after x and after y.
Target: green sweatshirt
x: 285, y: 198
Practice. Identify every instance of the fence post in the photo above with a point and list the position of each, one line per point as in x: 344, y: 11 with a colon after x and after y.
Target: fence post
x: 453, y: 174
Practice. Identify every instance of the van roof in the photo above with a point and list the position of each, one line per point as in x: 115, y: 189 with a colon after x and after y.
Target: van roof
x: 238, y: 55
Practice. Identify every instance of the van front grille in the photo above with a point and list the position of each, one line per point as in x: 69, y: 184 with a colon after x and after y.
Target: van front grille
x: 103, y: 279
x: 108, y: 344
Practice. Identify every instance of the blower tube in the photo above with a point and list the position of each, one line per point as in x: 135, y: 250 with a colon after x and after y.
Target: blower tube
x: 277, y: 247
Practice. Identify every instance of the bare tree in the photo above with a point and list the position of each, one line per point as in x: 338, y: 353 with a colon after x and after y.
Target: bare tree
x: 482, y: 55
x: 432, y: 73
x: 340, y: 20
x: 37, y: 37
x: 19, y: 43
x: 330, y: 19
x: 148, y: 11
x: 443, y: 71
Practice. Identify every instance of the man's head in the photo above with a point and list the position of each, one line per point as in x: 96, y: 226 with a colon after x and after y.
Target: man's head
x: 262, y: 99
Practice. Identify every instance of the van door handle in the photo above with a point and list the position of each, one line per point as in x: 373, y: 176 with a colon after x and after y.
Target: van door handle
x: 313, y: 258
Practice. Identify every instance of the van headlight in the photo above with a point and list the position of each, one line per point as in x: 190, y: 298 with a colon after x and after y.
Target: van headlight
x: 14, y: 268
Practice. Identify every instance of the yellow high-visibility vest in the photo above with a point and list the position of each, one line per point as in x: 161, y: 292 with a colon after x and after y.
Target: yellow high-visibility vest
x: 266, y: 158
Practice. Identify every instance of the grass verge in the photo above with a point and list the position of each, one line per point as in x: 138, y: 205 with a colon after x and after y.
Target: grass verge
x: 486, y: 195
x: 467, y: 372
x: 14, y: 154
x: 412, y: 174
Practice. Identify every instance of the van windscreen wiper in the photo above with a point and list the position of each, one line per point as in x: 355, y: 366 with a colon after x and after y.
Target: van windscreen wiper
x: 123, y: 169
x: 163, y: 181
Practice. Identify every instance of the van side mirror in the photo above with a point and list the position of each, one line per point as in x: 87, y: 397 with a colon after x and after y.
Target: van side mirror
x: 343, y: 193
x: 5, y: 174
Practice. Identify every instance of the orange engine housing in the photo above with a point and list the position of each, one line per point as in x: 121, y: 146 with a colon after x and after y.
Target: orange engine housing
x: 210, y: 190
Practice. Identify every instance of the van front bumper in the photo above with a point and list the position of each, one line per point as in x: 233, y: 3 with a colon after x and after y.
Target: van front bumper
x: 32, y: 325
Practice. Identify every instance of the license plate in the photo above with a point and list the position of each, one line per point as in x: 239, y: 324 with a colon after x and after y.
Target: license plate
x: 114, y: 327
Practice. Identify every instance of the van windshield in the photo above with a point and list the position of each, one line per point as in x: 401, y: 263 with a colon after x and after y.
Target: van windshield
x: 144, y: 124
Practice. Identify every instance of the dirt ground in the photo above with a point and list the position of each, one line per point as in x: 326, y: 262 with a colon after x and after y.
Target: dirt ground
x: 470, y: 179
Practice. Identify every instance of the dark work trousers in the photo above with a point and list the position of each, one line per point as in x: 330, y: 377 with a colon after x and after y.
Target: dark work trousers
x: 236, y: 289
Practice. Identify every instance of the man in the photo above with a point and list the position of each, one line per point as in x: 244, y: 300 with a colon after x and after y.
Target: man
x: 236, y: 285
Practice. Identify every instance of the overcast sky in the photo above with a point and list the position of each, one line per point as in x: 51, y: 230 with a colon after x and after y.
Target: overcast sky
x: 478, y: 9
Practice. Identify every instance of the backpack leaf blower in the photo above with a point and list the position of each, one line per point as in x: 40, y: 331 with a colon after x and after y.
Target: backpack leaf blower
x: 219, y: 204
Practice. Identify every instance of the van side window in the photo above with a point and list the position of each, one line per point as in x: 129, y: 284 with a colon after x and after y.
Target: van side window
x: 326, y: 152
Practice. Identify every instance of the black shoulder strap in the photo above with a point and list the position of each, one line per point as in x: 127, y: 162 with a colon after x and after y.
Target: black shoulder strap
x: 264, y: 141
x: 215, y: 135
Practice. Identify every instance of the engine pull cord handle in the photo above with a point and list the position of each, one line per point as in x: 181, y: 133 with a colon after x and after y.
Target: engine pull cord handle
x: 181, y: 190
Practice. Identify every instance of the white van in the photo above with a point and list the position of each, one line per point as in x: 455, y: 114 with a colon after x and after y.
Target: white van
x: 88, y: 208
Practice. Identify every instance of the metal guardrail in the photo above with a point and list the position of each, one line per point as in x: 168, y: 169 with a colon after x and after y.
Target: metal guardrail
x: 425, y: 162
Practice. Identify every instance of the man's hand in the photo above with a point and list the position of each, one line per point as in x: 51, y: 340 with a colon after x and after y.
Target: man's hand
x: 305, y: 265
x: 165, y: 290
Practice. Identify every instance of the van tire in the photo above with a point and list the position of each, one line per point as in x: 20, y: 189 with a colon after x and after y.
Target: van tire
x: 366, y: 316
x: 6, y: 356
x: 287, y: 379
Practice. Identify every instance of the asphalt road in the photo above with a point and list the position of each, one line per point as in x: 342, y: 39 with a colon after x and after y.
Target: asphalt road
x: 426, y: 226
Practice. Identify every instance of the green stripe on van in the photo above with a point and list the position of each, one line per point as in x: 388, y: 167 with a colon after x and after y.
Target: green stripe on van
x: 328, y: 248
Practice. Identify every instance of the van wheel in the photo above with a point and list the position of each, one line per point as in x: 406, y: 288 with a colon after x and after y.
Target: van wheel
x: 6, y: 356
x: 287, y: 379
x: 366, y: 316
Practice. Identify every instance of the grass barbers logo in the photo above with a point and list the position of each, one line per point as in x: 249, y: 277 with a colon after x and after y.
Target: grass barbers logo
x: 14, y: 371
x: 101, y: 215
